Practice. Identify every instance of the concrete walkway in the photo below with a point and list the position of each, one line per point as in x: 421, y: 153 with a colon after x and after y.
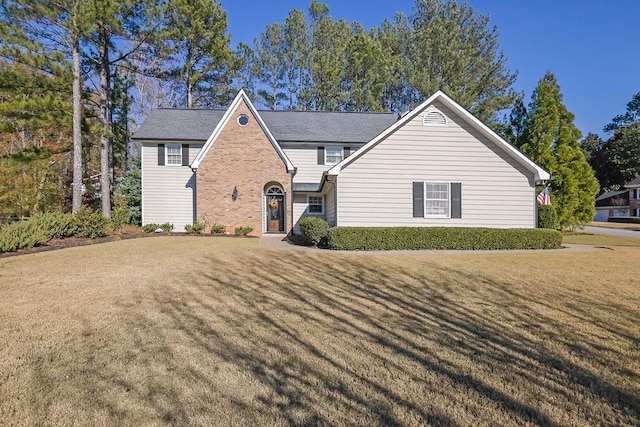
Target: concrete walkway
x: 613, y: 232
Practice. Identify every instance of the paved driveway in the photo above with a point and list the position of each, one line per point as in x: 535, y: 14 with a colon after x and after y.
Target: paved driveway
x: 613, y: 232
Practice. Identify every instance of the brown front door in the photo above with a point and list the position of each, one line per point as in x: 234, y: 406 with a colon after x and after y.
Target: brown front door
x: 275, y: 213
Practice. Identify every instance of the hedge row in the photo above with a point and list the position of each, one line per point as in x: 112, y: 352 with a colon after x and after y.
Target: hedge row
x: 41, y: 228
x: 388, y: 238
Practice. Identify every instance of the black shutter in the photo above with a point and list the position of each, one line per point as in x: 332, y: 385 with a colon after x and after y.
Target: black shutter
x: 321, y: 155
x: 160, y: 154
x: 456, y: 200
x: 418, y: 199
x: 185, y: 154
x: 347, y: 152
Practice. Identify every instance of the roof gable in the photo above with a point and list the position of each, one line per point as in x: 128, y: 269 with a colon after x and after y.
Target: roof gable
x: 241, y: 97
x: 540, y: 174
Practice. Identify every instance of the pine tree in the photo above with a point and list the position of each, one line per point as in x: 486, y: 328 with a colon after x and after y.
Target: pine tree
x: 195, y: 40
x: 452, y: 48
x: 552, y: 142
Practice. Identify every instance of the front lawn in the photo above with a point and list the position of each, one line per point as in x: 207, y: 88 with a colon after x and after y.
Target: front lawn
x: 216, y: 331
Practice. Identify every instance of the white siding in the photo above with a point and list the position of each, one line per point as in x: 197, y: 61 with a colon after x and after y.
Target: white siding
x: 330, y: 203
x: 300, y: 206
x: 305, y: 159
x: 376, y: 189
x: 167, y: 191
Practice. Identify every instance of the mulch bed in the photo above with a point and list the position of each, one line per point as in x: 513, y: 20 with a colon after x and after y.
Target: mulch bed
x: 71, y: 242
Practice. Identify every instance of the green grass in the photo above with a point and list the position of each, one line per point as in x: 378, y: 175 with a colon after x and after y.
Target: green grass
x: 220, y: 331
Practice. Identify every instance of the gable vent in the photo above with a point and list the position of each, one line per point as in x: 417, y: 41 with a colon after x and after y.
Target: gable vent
x: 434, y: 118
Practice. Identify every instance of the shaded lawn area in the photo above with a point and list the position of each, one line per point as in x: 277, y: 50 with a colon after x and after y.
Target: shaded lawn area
x: 227, y: 332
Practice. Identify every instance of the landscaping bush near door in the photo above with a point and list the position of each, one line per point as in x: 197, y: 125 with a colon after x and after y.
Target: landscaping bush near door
x: 388, y: 238
x: 313, y: 229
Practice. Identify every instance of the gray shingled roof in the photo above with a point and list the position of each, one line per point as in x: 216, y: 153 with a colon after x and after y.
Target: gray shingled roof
x: 286, y: 126
x: 634, y: 183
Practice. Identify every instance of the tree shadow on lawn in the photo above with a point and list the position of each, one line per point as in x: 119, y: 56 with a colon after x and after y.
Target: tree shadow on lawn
x: 319, y: 340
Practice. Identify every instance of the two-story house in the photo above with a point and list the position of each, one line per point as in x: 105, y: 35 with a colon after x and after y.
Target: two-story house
x: 437, y: 165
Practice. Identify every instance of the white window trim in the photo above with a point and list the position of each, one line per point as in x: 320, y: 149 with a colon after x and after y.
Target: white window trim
x: 309, y: 204
x: 326, y: 162
x: 424, y: 189
x: 166, y: 154
x: 637, y: 193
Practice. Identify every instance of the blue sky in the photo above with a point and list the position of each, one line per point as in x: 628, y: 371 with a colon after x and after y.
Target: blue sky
x: 593, y: 47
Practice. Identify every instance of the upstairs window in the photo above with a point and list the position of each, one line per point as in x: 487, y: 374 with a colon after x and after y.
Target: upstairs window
x: 333, y: 155
x: 174, y: 154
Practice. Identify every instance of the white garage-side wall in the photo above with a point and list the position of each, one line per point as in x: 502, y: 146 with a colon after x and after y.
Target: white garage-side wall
x: 167, y: 191
x: 376, y: 189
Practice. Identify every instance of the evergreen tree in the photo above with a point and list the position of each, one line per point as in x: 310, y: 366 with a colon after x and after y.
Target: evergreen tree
x: 197, y: 44
x: 45, y: 36
x: 516, y: 126
x: 552, y: 142
x: 452, y: 48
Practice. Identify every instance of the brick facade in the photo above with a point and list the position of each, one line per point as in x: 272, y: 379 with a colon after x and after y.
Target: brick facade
x: 241, y: 157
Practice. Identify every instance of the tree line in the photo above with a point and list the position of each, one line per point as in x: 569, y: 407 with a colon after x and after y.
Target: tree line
x: 76, y: 77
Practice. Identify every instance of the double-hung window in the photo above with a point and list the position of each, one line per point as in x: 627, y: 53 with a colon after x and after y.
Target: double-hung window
x: 432, y: 199
x: 436, y: 198
x: 316, y: 205
x: 174, y: 154
x: 332, y: 155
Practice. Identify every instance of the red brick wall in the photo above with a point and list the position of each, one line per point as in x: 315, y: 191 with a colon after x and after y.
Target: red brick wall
x: 241, y: 157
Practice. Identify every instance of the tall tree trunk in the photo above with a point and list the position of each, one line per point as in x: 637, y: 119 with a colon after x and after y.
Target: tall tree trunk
x: 77, y: 134
x: 189, y: 73
x: 105, y: 136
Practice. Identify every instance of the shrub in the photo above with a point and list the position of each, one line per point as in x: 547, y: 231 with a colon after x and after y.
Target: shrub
x: 150, y: 228
x: 218, y: 229
x: 166, y: 227
x: 120, y: 215
x: 196, y: 228
x: 36, y: 231
x: 388, y: 238
x: 547, y: 217
x: 314, y: 229
x: 90, y: 224
x: 243, y: 231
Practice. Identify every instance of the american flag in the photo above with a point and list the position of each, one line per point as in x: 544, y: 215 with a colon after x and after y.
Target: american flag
x: 543, y: 197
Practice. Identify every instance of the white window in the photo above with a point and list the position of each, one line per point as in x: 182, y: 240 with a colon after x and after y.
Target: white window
x: 332, y: 155
x: 436, y: 199
x: 174, y: 154
x: 316, y: 205
x: 638, y: 193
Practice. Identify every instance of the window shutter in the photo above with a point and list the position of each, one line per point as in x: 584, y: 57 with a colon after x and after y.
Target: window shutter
x: 418, y: 199
x: 185, y: 154
x: 160, y: 154
x: 456, y: 200
x: 347, y: 152
x: 321, y: 155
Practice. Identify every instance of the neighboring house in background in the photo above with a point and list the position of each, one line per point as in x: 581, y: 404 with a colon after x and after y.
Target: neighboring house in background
x: 435, y: 166
x: 619, y: 203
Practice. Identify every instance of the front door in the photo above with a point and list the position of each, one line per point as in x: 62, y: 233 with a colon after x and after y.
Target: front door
x: 275, y: 213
